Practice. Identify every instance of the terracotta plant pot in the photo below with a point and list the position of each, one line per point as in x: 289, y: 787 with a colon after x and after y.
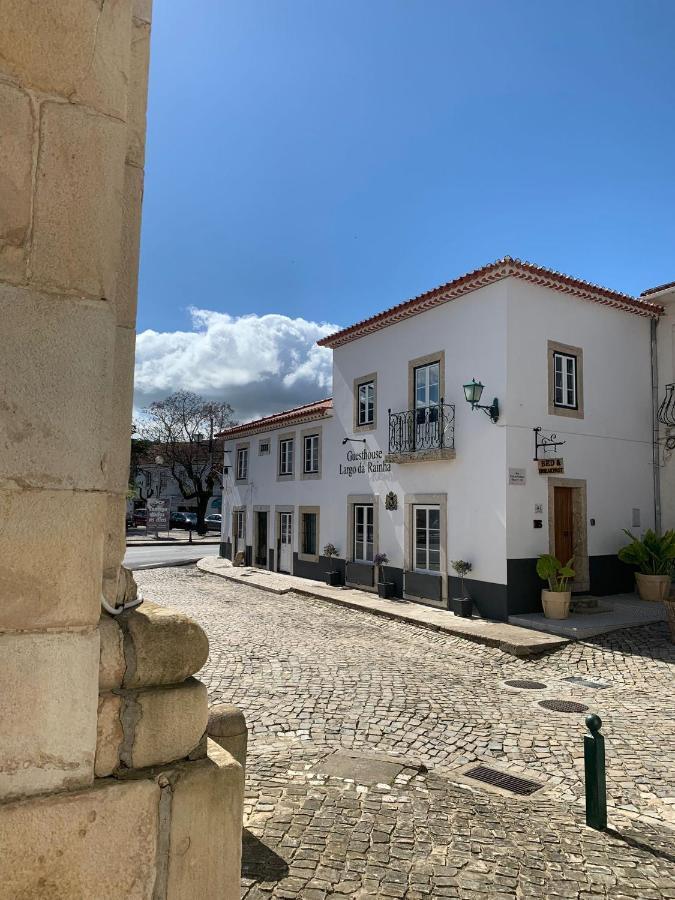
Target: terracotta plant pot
x: 556, y: 604
x: 652, y: 587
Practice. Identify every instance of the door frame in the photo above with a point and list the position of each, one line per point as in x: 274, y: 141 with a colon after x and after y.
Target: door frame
x: 579, y: 517
x: 278, y: 510
x: 256, y: 511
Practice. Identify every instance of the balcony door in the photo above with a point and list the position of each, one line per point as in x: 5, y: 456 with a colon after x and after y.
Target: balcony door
x: 427, y: 403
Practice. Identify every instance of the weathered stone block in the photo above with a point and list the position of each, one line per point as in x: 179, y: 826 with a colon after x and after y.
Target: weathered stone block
x: 78, y: 49
x: 126, y: 295
x: 16, y: 160
x: 111, y: 663
x: 48, y: 711
x: 227, y: 727
x: 78, y: 201
x: 166, y: 723
x: 50, y: 574
x: 138, y: 92
x: 100, y: 843
x: 206, y: 826
x: 162, y: 646
x: 120, y: 415
x: 56, y: 377
x: 109, y: 734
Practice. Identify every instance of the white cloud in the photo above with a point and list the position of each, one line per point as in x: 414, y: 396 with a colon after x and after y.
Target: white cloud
x: 258, y: 364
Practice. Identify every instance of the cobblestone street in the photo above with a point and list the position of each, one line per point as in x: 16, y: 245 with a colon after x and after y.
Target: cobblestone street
x: 390, y: 814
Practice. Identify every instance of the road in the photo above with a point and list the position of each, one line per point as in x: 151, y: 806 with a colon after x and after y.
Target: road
x: 166, y: 555
x: 360, y: 730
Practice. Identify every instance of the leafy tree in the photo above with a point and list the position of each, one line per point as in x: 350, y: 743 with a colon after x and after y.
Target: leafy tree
x: 183, y: 429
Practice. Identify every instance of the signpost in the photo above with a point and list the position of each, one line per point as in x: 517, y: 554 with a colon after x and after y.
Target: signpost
x: 159, y: 516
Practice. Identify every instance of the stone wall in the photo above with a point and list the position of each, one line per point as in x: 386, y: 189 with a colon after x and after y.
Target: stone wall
x: 73, y: 88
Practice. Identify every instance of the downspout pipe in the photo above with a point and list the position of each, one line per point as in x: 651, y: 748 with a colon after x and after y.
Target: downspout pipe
x: 655, y: 426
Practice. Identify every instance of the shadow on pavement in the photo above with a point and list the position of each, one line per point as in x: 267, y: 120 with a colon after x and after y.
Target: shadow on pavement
x: 259, y: 861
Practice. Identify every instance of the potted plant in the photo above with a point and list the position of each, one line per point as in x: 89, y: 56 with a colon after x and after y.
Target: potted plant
x: 654, y: 557
x: 384, y: 588
x: 462, y: 605
x: 556, y: 600
x: 333, y: 576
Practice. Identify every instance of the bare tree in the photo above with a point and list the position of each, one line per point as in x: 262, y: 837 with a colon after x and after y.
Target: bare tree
x: 183, y: 428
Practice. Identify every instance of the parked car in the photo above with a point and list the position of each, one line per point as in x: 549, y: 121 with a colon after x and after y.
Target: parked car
x: 141, y: 516
x: 213, y: 522
x: 185, y: 520
x: 130, y: 518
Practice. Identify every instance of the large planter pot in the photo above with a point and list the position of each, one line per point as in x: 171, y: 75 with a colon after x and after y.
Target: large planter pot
x: 461, y: 606
x: 556, y: 604
x: 385, y: 589
x: 652, y: 587
x: 334, y: 579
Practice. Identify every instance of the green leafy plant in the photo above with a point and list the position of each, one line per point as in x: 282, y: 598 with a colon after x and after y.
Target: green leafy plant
x: 330, y: 550
x: 462, y: 567
x: 653, y: 555
x: 381, y: 560
x: 555, y: 573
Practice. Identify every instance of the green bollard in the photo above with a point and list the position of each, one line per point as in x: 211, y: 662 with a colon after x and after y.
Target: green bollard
x: 594, y: 768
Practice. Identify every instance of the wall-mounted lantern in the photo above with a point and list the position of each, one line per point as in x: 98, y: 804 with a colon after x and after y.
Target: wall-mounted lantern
x: 473, y: 392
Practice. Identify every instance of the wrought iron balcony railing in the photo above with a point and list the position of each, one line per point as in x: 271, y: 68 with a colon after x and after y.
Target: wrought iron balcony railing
x: 424, y: 428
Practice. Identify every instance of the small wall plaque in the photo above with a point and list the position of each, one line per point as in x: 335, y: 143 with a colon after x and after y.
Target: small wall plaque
x: 538, y: 509
x: 517, y: 476
x: 555, y: 465
x: 391, y: 501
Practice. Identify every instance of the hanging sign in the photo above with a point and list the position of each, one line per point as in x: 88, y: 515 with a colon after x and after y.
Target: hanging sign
x: 553, y: 466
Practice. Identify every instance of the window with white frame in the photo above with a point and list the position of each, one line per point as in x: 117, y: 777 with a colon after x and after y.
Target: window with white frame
x: 427, y: 538
x: 309, y: 537
x: 240, y: 526
x: 242, y: 464
x: 564, y: 380
x: 311, y: 458
x: 286, y: 456
x: 263, y: 448
x: 364, y: 530
x: 366, y: 401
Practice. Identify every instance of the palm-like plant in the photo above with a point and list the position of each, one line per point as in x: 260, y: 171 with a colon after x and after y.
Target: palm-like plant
x: 555, y: 573
x: 653, y: 555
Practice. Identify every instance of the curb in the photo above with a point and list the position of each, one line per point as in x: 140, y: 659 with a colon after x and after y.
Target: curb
x: 173, y: 544
x: 518, y: 650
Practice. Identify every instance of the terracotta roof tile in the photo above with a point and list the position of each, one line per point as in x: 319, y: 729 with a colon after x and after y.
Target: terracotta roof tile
x: 658, y: 288
x: 305, y: 413
x: 495, y: 271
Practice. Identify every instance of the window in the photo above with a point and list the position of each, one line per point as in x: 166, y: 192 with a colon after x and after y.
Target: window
x: 565, y: 380
x: 363, y: 532
x: 242, y: 464
x: 286, y: 456
x: 311, y: 462
x: 263, y: 448
x: 309, y: 534
x: 366, y: 403
x: 427, y: 538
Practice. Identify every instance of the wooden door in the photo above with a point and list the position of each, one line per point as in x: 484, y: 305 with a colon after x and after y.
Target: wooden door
x: 564, y: 523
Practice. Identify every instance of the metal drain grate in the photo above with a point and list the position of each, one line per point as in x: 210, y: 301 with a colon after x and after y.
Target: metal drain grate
x: 501, y: 780
x: 526, y: 685
x: 563, y: 706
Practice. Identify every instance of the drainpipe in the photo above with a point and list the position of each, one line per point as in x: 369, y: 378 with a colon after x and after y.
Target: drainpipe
x: 655, y: 428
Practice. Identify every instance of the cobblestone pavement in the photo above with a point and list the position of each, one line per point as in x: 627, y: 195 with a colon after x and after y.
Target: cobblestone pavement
x: 314, y: 679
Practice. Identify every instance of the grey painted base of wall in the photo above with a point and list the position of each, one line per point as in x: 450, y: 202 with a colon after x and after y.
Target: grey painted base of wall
x: 608, y: 575
x: 489, y: 598
x: 317, y: 570
x: 225, y: 550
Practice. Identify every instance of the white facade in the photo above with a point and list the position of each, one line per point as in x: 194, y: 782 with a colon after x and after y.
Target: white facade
x: 495, y: 509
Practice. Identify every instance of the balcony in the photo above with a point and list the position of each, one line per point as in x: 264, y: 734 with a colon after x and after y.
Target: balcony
x: 423, y: 434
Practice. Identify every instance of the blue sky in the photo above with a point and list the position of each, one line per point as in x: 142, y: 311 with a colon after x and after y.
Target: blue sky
x: 318, y: 161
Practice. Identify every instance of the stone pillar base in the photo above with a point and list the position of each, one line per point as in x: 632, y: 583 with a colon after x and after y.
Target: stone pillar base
x: 163, y: 834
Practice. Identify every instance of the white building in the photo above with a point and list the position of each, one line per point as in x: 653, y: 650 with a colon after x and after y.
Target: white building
x: 399, y: 462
